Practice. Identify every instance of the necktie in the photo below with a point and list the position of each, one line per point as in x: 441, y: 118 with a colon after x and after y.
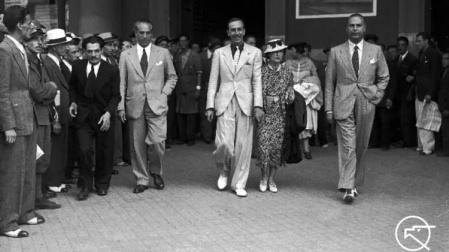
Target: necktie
x: 355, y: 61
x: 400, y: 60
x: 89, y: 89
x: 144, y: 62
x: 39, y: 66
x: 236, y: 55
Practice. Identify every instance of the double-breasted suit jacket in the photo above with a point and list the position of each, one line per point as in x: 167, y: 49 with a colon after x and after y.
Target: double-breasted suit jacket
x: 186, y: 103
x: 342, y: 82
x: 156, y: 84
x: 17, y: 160
x: 407, y: 67
x: 244, y: 80
x: 352, y: 99
x: 428, y: 74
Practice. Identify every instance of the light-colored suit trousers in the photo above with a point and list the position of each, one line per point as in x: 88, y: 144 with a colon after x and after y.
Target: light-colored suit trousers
x: 148, y: 133
x: 234, y: 140
x: 353, y: 135
x: 426, y: 138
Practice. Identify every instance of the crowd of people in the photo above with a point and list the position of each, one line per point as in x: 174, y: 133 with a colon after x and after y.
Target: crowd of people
x: 95, y: 102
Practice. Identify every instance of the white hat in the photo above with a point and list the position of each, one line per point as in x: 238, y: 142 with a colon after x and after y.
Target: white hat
x: 57, y: 37
x: 275, y: 45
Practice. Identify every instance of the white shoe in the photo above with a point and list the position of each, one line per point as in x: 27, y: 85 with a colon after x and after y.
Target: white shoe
x: 263, y: 185
x: 241, y: 192
x: 222, y: 181
x: 273, y: 188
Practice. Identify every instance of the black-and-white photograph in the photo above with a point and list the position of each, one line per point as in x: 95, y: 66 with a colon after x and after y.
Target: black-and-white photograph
x: 238, y: 125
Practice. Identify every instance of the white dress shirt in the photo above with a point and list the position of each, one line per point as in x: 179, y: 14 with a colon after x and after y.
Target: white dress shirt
x: 89, y: 67
x: 140, y: 51
x: 360, y: 50
x: 69, y: 66
x: 403, y: 56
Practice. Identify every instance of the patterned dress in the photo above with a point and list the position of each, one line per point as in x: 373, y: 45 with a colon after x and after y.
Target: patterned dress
x: 271, y: 131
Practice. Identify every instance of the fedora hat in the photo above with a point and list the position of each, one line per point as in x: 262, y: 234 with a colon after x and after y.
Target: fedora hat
x: 275, y: 45
x: 108, y: 37
x: 57, y: 37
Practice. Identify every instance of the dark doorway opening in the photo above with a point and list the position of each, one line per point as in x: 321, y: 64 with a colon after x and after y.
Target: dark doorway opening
x: 210, y: 17
x: 440, y: 23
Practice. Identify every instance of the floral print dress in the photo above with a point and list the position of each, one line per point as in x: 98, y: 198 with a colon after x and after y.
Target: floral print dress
x: 270, y: 132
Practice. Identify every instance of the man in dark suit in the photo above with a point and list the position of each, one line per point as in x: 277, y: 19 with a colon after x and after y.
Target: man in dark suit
x: 17, y: 127
x: 443, y: 105
x: 57, y: 43
x: 427, y: 80
x: 207, y: 128
x: 405, y: 92
x: 94, y: 96
x: 43, y: 92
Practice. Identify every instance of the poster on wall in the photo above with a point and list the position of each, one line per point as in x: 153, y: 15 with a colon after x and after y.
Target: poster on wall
x: 307, y: 9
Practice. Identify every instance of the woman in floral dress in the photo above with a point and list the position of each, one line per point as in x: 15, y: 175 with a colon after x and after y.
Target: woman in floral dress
x: 277, y: 92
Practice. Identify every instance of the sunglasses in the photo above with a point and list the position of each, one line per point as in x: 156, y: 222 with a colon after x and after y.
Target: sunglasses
x: 274, y: 43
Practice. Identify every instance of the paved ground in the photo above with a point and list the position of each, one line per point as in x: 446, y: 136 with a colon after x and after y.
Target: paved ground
x: 307, y: 214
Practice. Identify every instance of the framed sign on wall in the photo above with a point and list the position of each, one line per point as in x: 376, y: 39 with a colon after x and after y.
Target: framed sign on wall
x: 307, y: 9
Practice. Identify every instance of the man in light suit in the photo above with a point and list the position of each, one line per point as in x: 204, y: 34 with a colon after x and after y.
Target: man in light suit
x: 237, y: 69
x: 147, y: 77
x: 17, y: 129
x: 356, y: 77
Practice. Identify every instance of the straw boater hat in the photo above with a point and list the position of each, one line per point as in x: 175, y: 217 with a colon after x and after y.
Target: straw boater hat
x: 108, y: 37
x: 57, y: 37
x: 275, y: 45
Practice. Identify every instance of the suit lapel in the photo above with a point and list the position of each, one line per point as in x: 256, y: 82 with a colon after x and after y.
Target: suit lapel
x: 244, y: 56
x: 99, y: 81
x: 345, y: 55
x: 135, y: 61
x: 227, y: 53
x: 366, y: 56
x: 154, y: 56
x: 18, y: 57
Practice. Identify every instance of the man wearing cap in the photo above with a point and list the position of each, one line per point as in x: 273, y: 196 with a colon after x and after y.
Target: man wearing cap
x: 147, y: 78
x: 236, y: 68
x: 356, y: 79
x: 94, y: 95
x: 57, y: 43
x: 110, y: 47
x: 17, y: 129
x: 43, y: 92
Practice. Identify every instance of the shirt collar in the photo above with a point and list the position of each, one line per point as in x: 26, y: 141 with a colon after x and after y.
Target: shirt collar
x: 140, y: 48
x: 209, y: 54
x: 104, y: 58
x: 240, y: 46
x: 54, y: 58
x: 17, y: 43
x: 276, y: 70
x: 89, y: 66
x: 359, y: 45
x: 403, y: 55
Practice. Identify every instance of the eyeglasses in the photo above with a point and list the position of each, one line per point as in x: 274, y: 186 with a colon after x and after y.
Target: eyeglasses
x: 274, y: 43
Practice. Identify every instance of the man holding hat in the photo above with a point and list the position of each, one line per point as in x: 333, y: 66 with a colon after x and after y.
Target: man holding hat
x: 43, y: 92
x: 57, y: 44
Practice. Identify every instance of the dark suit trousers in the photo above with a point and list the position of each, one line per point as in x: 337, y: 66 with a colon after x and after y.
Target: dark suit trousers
x: 43, y: 139
x: 17, y: 181
x: 172, y: 123
x: 407, y: 116
x: 58, y: 160
x: 187, y: 126
x: 104, y: 155
x: 322, y: 123
x: 442, y: 137
x: 384, y: 127
x: 207, y: 128
x: 73, y: 153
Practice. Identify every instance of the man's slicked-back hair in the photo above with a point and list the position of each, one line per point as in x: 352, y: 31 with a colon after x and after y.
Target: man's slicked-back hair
x: 234, y: 19
x: 402, y: 38
x: 145, y: 21
x: 424, y: 35
x: 93, y: 40
x: 14, y: 15
x: 357, y: 15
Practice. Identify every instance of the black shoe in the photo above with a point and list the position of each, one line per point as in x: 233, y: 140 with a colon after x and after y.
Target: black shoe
x: 102, y: 192
x: 383, y: 148
x: 49, y: 194
x: 83, y: 194
x: 190, y: 143
x: 307, y: 155
x: 167, y: 146
x: 158, y: 181
x: 178, y: 142
x: 140, y: 188
x: 208, y: 141
x: 422, y: 153
x: 115, y: 172
x: 45, y: 204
